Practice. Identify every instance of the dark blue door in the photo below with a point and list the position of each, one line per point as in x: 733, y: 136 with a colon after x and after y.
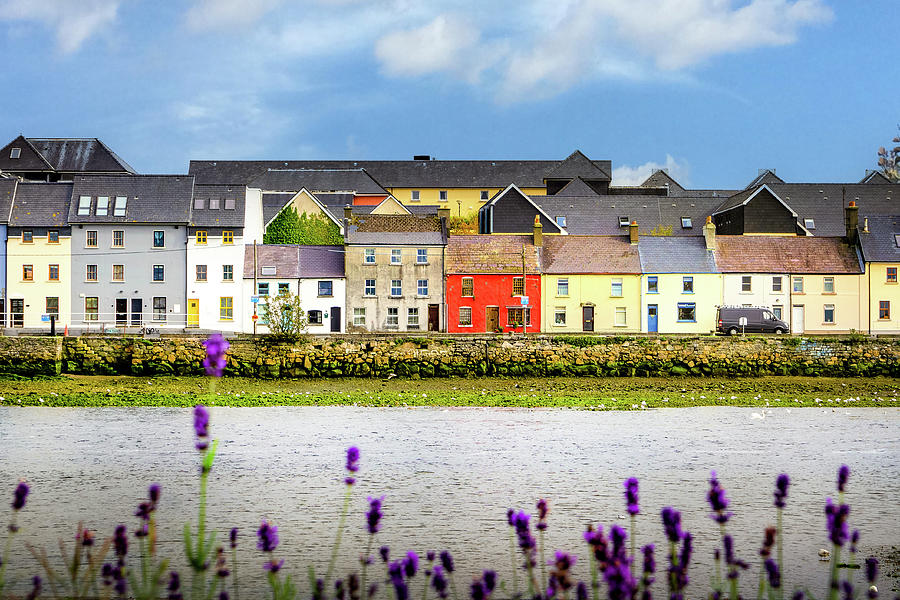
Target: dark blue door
x: 652, y: 325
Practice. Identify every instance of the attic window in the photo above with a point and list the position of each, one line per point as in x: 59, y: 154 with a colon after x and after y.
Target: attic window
x: 15, y: 153
x: 119, y: 208
x: 809, y: 223
x: 229, y: 203
x: 198, y: 203
x: 268, y: 271
x: 84, y: 205
x: 442, y: 195
x: 897, y: 239
x: 484, y: 195
x: 213, y: 204
x: 102, y: 206
x: 623, y: 221
x: 561, y: 221
x: 686, y: 223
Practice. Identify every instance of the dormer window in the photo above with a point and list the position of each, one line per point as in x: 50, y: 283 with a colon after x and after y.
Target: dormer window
x: 15, y: 152
x: 229, y: 203
x: 623, y: 221
x: 119, y: 208
x: 102, y: 206
x: 686, y: 223
x: 809, y: 223
x: 84, y: 205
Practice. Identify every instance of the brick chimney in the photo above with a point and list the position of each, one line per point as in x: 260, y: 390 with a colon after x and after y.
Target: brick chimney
x: 709, y: 234
x: 633, y: 232
x: 538, y: 231
x: 851, y: 220
x: 443, y: 212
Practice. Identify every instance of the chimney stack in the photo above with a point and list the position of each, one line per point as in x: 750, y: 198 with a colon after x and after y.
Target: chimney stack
x: 348, y: 211
x: 709, y: 234
x: 443, y: 212
x: 538, y: 231
x: 852, y: 221
x: 633, y: 232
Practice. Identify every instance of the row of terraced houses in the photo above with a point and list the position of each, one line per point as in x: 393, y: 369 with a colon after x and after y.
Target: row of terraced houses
x: 97, y: 247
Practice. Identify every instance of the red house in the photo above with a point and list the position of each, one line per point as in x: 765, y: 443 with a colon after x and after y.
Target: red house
x: 494, y: 283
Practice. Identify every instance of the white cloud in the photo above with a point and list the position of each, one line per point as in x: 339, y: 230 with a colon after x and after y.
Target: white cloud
x: 227, y: 14
x: 444, y: 44
x: 626, y: 175
x: 73, y: 24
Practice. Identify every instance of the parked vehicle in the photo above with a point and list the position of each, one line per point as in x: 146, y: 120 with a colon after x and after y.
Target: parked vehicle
x: 749, y: 319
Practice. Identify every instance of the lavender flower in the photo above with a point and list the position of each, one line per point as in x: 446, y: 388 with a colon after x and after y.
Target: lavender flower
x: 617, y: 536
x: 439, y: 582
x: 478, y: 590
x: 631, y: 496
x: 374, y: 514
x: 836, y: 521
x: 268, y: 537
x: 560, y: 574
x: 781, y: 489
x: 774, y: 573
x: 430, y: 555
x: 490, y: 580
x: 153, y: 493
x: 19, y: 496
x: 221, y: 564
x: 411, y: 564
x: 848, y: 589
x: 385, y: 553
x: 871, y: 569
x: 395, y: 572
x: 799, y: 595
x: 843, y: 476
x: 672, y: 524
x: 214, y: 363
x: 717, y: 500
x: 174, y: 586
x: 120, y: 541
x: 447, y: 561
x: 273, y: 566
x: 36, y: 582
x: 649, y: 562
x: 352, y: 463
x: 526, y: 541
x: 854, y: 539
x: 619, y: 580
x: 543, y: 508
x: 597, y: 542
x: 232, y: 537
x: 768, y: 542
x: 510, y: 514
x: 86, y: 538
x: 581, y: 591
x: 223, y: 595
x: 201, y: 427
x: 730, y: 559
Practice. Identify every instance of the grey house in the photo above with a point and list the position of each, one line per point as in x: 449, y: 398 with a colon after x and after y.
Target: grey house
x: 395, y: 273
x: 129, y: 236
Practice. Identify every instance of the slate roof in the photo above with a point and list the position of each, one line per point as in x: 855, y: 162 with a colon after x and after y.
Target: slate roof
x: 151, y: 198
x: 579, y: 165
x: 396, y: 229
x: 41, y: 205
x: 590, y: 254
x: 215, y: 195
x: 272, y: 205
x: 577, y: 188
x: 660, y: 178
x: 880, y: 244
x: 322, y: 261
x: 7, y: 193
x: 393, y: 173
x: 876, y: 177
x: 284, y: 257
x: 675, y: 255
x: 825, y: 202
x: 492, y: 254
x: 785, y: 254
x: 324, y: 180
x: 80, y: 155
x: 29, y: 157
x: 599, y: 215
x: 766, y: 176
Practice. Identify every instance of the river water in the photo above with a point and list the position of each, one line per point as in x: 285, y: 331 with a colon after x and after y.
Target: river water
x: 449, y: 475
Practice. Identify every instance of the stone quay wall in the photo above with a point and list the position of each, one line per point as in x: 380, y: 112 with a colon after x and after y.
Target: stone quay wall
x: 442, y: 356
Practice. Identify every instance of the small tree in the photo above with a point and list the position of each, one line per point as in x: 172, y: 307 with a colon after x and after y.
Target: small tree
x: 889, y: 160
x: 284, y: 316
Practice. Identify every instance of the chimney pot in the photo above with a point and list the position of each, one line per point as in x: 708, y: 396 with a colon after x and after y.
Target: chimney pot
x: 633, y: 232
x: 538, y: 232
x: 709, y: 234
x: 348, y: 211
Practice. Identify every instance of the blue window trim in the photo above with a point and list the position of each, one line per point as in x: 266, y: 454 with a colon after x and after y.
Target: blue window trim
x: 688, y: 305
x: 685, y: 280
x: 655, y: 280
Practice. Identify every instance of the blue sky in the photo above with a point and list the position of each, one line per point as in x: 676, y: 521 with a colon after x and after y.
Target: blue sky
x: 711, y: 89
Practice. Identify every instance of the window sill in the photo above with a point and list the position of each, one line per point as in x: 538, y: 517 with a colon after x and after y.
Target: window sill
x: 419, y: 297
x: 826, y: 323
x: 220, y: 319
x: 422, y: 264
x: 90, y: 247
x: 461, y: 325
x: 559, y: 324
x: 395, y: 297
x: 618, y: 296
x: 393, y: 264
x: 162, y: 282
x: 117, y: 281
x: 829, y: 293
x: 623, y: 325
x: 562, y: 295
x: 228, y: 281
x: 680, y: 321
x: 325, y: 296
x: 90, y: 281
x: 653, y: 293
x: 200, y: 281
x: 369, y: 264
x: 799, y: 294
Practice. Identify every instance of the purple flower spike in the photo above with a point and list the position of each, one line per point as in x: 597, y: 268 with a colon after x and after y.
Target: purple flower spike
x: 717, y: 500
x: 672, y: 523
x: 353, y: 459
x: 543, y: 508
x: 478, y: 590
x: 631, y: 496
x: 411, y: 564
x: 447, y: 561
x: 174, y: 586
x: 619, y: 580
x: 273, y: 566
x: 120, y: 540
x: 19, y: 496
x: 490, y: 580
x: 781, y: 490
x: 854, y: 539
x: 509, y: 517
x: 649, y: 560
x: 836, y: 521
x: 774, y: 573
x: 232, y: 537
x: 215, y: 362
x: 581, y: 591
x: 843, y: 476
x: 201, y: 427
x: 430, y: 555
x: 374, y: 514
x: 268, y: 537
x: 36, y: 583
x: 618, y: 537
x: 385, y: 553
x: 153, y: 493
x: 439, y: 582
x: 871, y: 569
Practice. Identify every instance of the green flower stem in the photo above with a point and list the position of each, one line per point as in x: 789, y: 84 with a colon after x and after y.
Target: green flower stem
x: 633, y: 533
x: 512, y: 554
x: 542, y: 559
x: 595, y: 578
x: 780, y: 550
x: 234, y: 572
x: 762, y: 581
x: 674, y: 560
x: 340, y: 533
x: 833, y: 585
x: 365, y: 561
x: 11, y: 531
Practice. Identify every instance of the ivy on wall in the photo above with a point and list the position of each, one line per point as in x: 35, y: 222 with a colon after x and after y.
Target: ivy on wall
x: 306, y: 230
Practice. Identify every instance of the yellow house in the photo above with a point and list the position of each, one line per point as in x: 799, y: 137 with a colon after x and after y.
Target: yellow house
x: 38, y: 259
x: 879, y: 239
x: 591, y: 284
x: 680, y: 287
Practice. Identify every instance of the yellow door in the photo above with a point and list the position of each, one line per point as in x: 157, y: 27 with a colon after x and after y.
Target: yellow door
x: 193, y: 316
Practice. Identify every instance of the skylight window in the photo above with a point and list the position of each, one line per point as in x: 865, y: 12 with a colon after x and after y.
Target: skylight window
x: 897, y: 239
x: 809, y: 223
x: 229, y: 203
x: 119, y: 208
x: 561, y: 221
x: 102, y: 206
x: 686, y: 223
x: 213, y: 204
x: 623, y: 221
x: 198, y: 203
x: 15, y: 152
x: 269, y: 271
x: 84, y: 205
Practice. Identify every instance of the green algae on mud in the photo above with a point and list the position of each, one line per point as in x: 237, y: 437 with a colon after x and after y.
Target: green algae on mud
x: 582, y: 393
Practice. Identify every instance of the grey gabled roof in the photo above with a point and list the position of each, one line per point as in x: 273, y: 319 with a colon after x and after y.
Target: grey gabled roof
x: 876, y: 177
x: 40, y: 205
x: 579, y: 165
x: 80, y: 155
x: 577, y: 188
x: 766, y: 176
x: 878, y: 237
x: 151, y: 198
x: 354, y: 181
x: 29, y: 157
x: 204, y: 214
x: 392, y: 173
x: 825, y: 202
x: 675, y: 255
x: 322, y: 261
x: 660, y: 178
x: 7, y: 193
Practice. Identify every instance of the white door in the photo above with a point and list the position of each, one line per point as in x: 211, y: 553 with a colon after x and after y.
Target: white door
x: 797, y: 319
